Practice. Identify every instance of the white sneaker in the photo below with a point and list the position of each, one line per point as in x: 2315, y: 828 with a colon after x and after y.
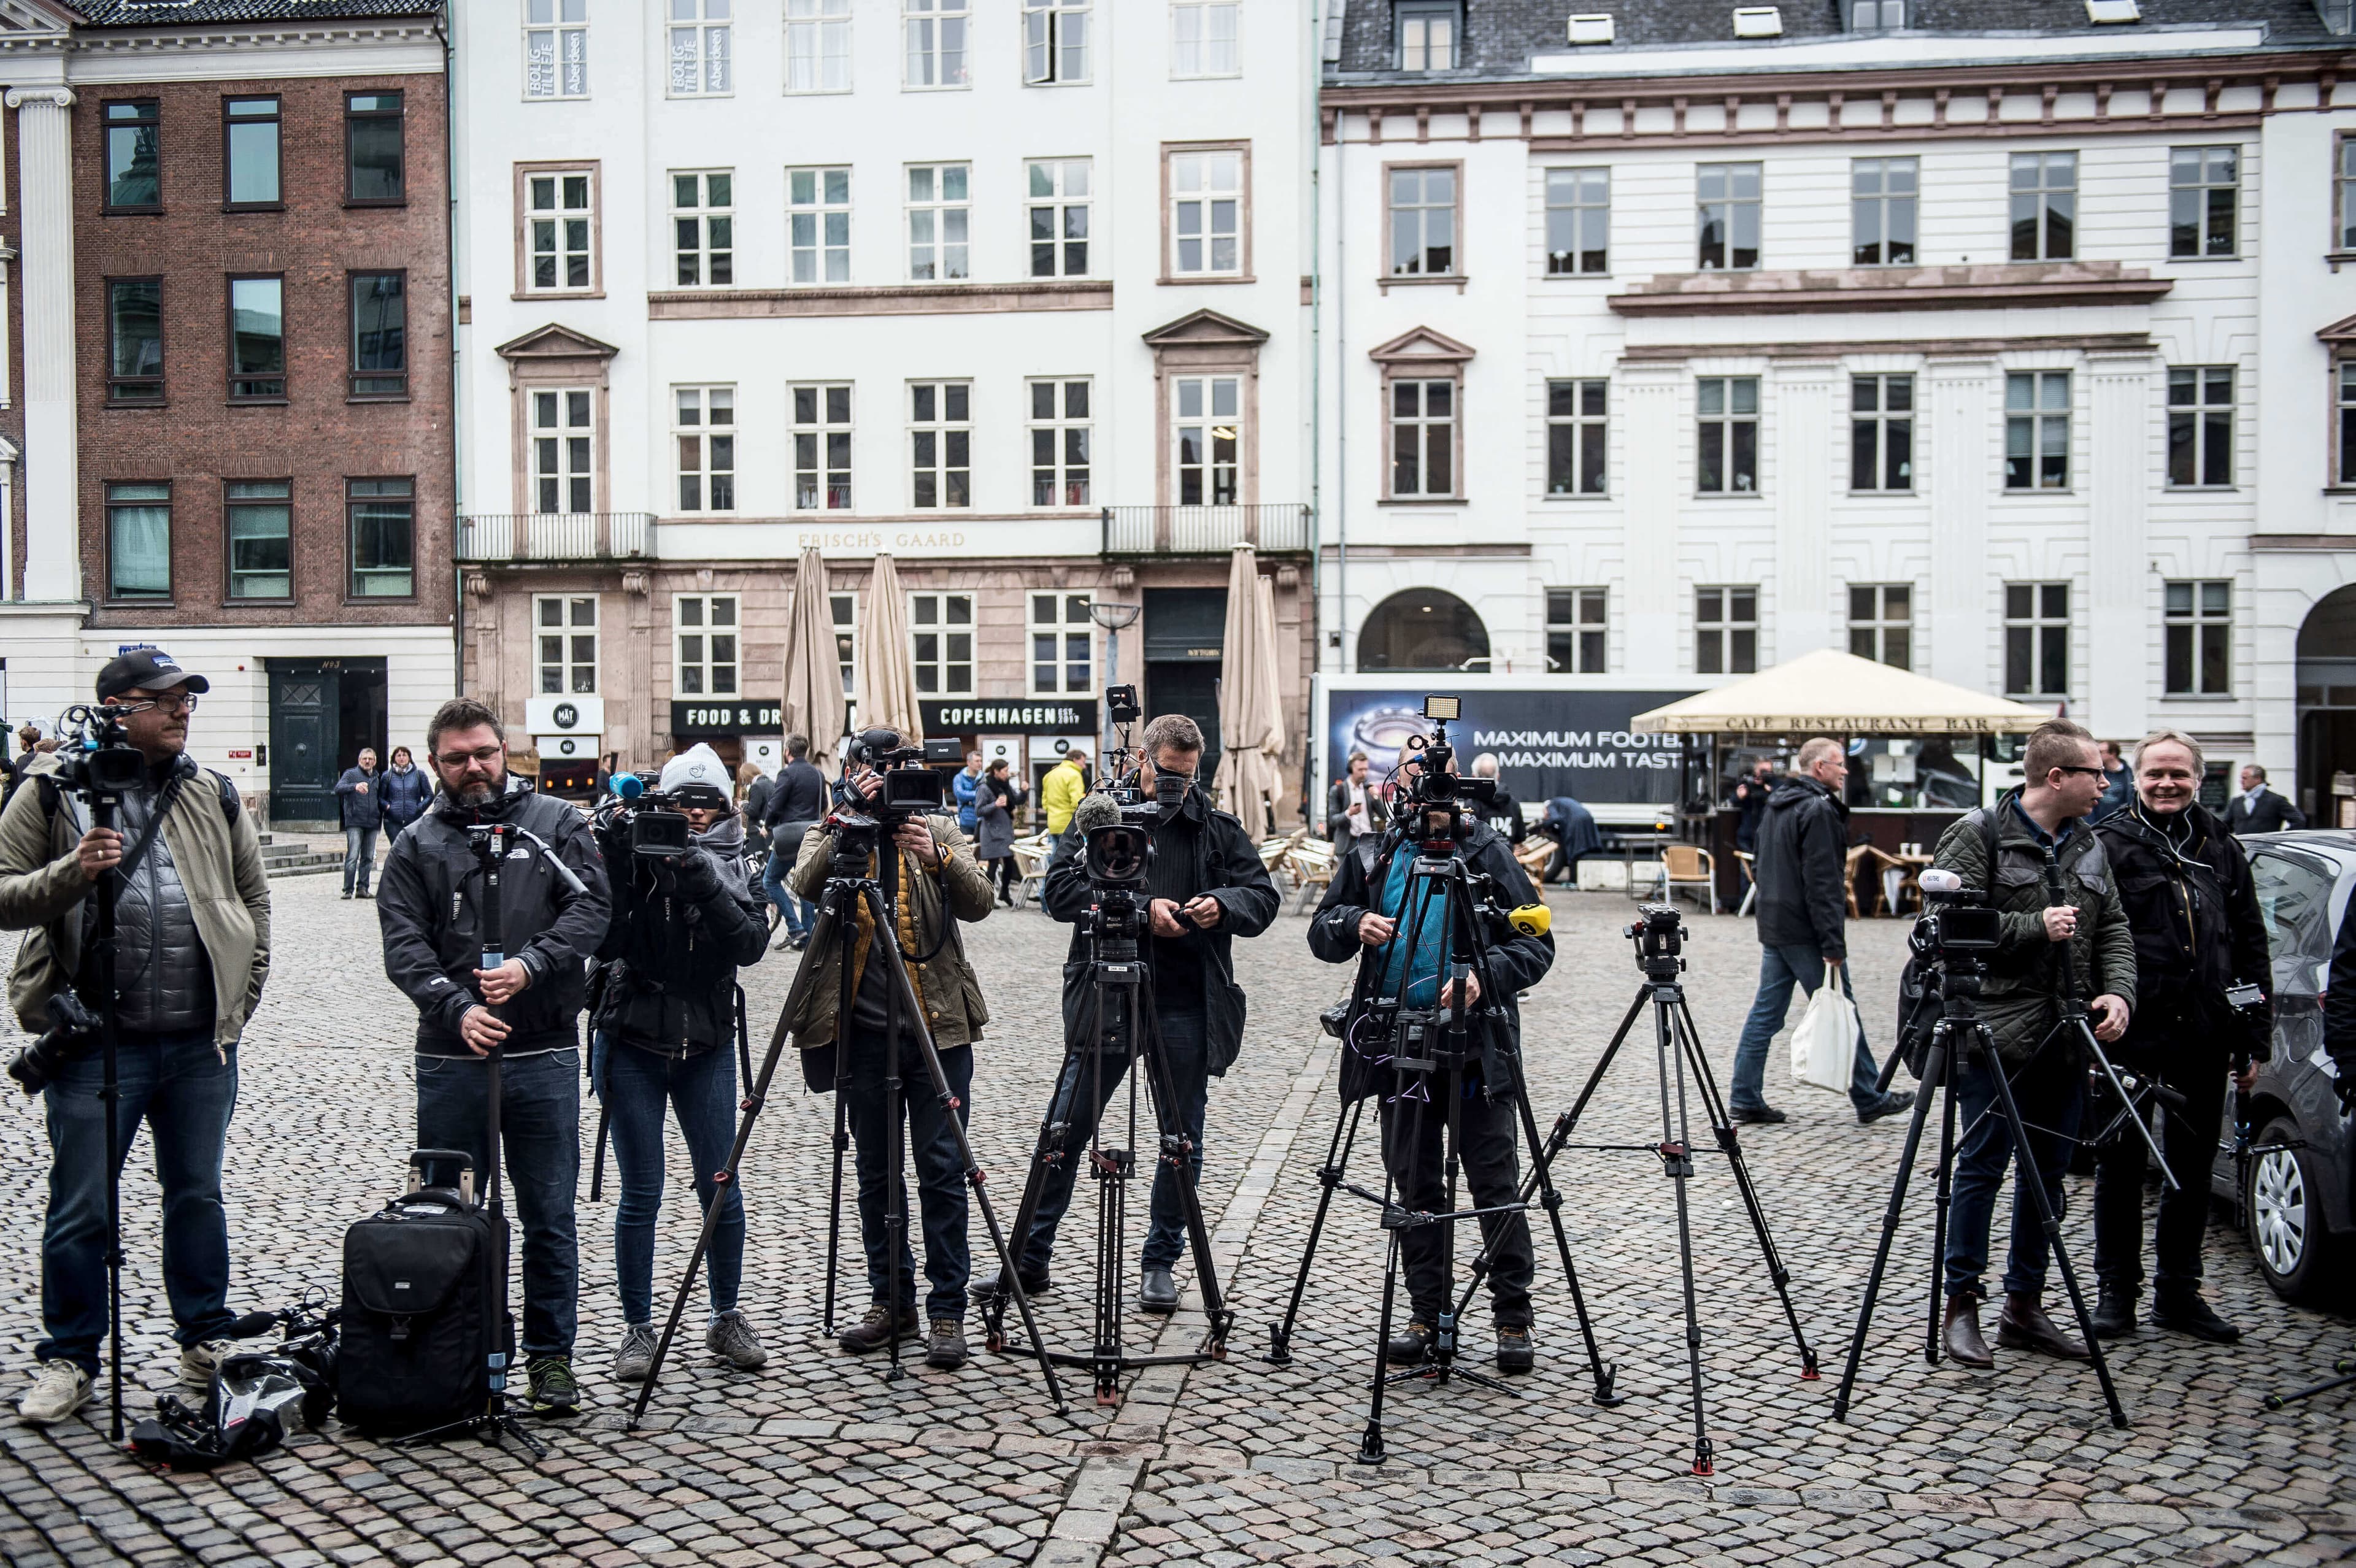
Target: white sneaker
x: 200, y: 1360
x: 59, y: 1389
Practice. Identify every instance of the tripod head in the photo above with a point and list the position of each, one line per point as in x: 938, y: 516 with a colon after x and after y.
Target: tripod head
x: 1659, y: 934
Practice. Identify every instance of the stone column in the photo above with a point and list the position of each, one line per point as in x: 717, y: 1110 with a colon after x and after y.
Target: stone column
x: 52, y: 470
x: 2120, y: 649
x: 1807, y: 449
x: 1648, y: 610
x: 1951, y: 433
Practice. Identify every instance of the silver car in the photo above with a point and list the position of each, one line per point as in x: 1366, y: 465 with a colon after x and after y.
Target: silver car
x: 2294, y: 1179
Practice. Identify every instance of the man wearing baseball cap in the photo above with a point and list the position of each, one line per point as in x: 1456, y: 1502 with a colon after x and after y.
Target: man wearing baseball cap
x: 192, y: 916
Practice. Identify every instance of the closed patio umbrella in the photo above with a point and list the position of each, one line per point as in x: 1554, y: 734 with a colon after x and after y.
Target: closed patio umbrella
x: 887, y: 675
x: 814, y: 704
x: 1250, y: 731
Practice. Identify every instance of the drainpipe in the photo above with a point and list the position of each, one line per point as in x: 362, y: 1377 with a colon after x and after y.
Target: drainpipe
x: 1341, y: 393
x: 1316, y: 385
x: 457, y: 421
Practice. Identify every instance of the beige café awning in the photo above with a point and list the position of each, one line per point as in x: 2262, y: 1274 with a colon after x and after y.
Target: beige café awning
x: 1830, y: 692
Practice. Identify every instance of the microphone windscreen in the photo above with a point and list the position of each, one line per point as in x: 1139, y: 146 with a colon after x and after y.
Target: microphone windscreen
x: 1094, y: 811
x: 629, y: 786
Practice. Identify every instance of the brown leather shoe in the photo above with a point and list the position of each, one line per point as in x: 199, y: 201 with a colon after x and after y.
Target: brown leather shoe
x: 2023, y: 1325
x: 1962, y: 1334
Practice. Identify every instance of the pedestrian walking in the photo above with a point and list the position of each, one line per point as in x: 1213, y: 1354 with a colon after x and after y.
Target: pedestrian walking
x: 796, y: 804
x: 993, y: 817
x: 406, y: 789
x: 362, y: 808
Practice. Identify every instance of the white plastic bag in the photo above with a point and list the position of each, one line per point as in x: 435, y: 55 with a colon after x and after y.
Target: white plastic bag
x: 1824, y: 1048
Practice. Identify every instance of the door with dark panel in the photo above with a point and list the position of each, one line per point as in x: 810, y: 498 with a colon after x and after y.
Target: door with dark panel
x: 304, y: 706
x: 1184, y: 631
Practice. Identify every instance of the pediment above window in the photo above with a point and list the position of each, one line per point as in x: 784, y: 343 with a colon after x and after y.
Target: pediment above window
x: 555, y: 342
x: 1421, y: 345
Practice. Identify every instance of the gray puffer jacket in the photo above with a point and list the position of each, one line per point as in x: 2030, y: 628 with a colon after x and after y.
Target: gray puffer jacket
x: 163, y: 978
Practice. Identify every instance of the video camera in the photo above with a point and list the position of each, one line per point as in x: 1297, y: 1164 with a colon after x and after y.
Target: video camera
x: 73, y: 1033
x: 1956, y: 921
x: 907, y: 792
x: 652, y: 825
x: 1434, y: 787
x: 95, y: 756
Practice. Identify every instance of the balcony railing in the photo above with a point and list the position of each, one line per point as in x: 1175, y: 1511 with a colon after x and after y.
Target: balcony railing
x: 554, y: 535
x: 1277, y: 527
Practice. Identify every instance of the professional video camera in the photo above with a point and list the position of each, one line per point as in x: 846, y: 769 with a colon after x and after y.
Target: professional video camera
x: 1956, y: 919
x: 907, y: 792
x: 73, y: 1033
x: 1435, y: 788
x: 95, y: 756
x: 652, y: 823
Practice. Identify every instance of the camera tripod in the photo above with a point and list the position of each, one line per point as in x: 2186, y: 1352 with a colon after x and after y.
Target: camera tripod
x: 1121, y: 1006
x: 849, y: 889
x: 1959, y: 987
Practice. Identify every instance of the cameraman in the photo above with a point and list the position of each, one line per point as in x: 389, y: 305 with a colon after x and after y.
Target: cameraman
x: 2197, y: 930
x: 1359, y: 919
x: 430, y: 908
x: 2021, y: 1002
x: 663, y: 1030
x: 929, y: 880
x: 192, y: 924
x: 1207, y: 886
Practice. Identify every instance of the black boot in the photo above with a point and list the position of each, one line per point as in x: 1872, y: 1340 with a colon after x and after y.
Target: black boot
x: 2186, y: 1312
x: 1412, y: 1345
x: 2114, y: 1310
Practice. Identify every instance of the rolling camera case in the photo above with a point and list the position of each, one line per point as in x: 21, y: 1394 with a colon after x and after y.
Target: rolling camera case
x: 421, y: 1307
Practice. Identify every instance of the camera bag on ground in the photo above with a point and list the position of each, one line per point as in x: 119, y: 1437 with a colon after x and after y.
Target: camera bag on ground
x: 424, y: 1313
x: 1920, y: 1006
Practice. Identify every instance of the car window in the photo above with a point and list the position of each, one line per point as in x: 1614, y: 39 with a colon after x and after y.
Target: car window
x: 2295, y: 900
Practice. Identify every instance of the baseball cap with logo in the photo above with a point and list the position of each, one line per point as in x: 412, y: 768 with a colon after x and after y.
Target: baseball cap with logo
x: 147, y: 669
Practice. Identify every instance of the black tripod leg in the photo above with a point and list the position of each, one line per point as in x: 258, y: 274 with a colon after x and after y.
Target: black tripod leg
x: 2344, y: 1366
x: 1603, y: 1062
x: 1676, y: 1162
x: 1934, y: 1084
x: 1722, y: 1128
x: 1329, y: 1178
x: 896, y: 1149
x: 1178, y: 1153
x: 1370, y: 1445
x: 2029, y: 1179
x: 1946, y: 1201
x: 1044, y: 1154
x: 1542, y: 1177
x: 831, y: 917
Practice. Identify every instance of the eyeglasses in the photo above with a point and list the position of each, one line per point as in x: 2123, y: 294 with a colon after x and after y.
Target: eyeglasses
x: 2095, y: 771
x: 170, y: 702
x: 486, y: 755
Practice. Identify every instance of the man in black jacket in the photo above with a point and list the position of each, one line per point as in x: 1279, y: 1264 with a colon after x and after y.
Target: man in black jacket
x: 432, y: 913
x: 1360, y: 919
x: 796, y: 804
x: 1355, y: 814
x: 1207, y: 886
x: 2258, y: 809
x: 1503, y: 812
x: 1802, y: 874
x: 2193, y: 911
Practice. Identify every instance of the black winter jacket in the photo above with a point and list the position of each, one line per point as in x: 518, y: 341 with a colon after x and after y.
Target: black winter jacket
x: 1803, y: 868
x: 671, y: 955
x: 429, y: 905
x: 1206, y: 853
x: 2193, y: 911
x: 1515, y: 962
x: 799, y: 795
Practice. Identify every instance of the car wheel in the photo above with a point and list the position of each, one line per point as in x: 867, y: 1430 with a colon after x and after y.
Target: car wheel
x: 2287, y: 1230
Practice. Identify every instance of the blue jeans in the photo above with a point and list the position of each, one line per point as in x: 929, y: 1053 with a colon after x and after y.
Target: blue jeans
x: 2050, y: 1093
x: 1187, y: 1056
x: 182, y: 1089
x: 799, y: 916
x: 1779, y: 968
x: 540, y: 1133
x: 940, y: 1174
x: 360, y: 857
x: 634, y: 1085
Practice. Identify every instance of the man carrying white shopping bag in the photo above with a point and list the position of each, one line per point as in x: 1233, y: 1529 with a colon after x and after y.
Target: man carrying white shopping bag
x: 1803, y: 903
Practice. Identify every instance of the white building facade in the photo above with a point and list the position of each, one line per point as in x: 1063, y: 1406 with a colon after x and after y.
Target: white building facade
x: 1011, y: 291
x: 2009, y: 354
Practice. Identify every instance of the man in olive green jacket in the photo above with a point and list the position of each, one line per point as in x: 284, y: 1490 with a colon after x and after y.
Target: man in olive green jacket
x: 2043, y: 823
x: 193, y: 949
x: 930, y: 881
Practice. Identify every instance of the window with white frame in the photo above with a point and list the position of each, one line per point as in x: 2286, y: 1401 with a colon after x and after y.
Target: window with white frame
x: 1883, y: 193
x: 564, y: 451
x: 1202, y: 38
x: 566, y: 629
x: 2199, y: 631
x: 1207, y: 206
x: 1881, y: 622
x: 843, y: 608
x: 1061, y: 427
x: 940, y: 444
x: 2200, y: 426
x: 1578, y: 221
x: 1726, y: 429
x: 2204, y: 198
x: 1423, y: 437
x: 1726, y: 631
x: 1056, y: 41
x: 1728, y: 206
x: 817, y: 46
x: 1428, y: 34
x: 934, y: 32
x: 2036, y: 430
x: 1207, y: 416
x: 938, y: 216
x: 821, y: 433
x: 817, y: 224
x: 2344, y: 406
x: 940, y: 638
x: 1423, y: 222
x: 2344, y: 194
x: 1578, y: 624
x: 2037, y: 639
x: 2044, y: 207
x: 704, y: 640
x: 701, y: 49
x: 1881, y: 433
x: 703, y: 228
x: 560, y: 221
x: 704, y: 433
x: 1061, y: 641
x: 1576, y: 433
x: 1057, y: 211
x: 556, y: 48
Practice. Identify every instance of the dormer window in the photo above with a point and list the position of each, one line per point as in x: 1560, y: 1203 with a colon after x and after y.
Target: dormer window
x: 1875, y: 16
x: 1429, y: 33
x: 1758, y: 22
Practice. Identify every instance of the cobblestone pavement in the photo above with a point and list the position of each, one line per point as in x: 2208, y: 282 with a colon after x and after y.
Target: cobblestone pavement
x: 816, y: 1460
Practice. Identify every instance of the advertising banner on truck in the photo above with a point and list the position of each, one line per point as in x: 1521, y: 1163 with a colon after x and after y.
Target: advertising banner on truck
x: 1547, y: 741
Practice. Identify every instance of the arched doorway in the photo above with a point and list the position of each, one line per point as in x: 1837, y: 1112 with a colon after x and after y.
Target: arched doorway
x: 2326, y: 703
x: 1423, y: 629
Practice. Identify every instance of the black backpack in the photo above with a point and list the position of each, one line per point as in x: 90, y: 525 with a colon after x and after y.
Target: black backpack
x: 1920, y: 1006
x: 424, y: 1312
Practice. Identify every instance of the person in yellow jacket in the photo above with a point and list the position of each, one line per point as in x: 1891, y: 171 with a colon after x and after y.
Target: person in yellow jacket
x: 1061, y: 791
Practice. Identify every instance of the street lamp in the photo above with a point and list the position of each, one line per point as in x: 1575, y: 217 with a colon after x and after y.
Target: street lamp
x: 1114, y: 618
